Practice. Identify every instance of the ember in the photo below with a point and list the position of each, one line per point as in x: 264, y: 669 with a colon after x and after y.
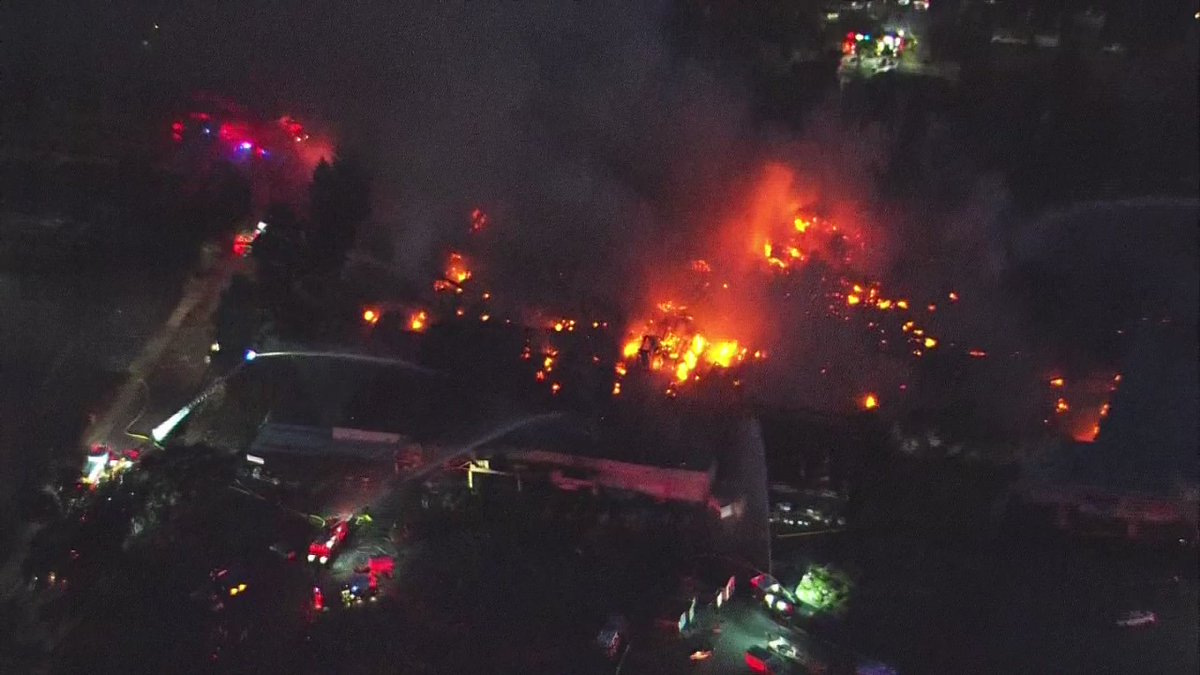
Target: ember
x: 479, y: 220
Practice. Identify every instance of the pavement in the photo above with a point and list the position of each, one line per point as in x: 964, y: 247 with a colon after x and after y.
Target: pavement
x: 172, y: 360
x: 739, y: 625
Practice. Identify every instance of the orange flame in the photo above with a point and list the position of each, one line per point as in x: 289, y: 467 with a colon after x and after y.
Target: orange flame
x: 417, y: 321
x: 456, y: 269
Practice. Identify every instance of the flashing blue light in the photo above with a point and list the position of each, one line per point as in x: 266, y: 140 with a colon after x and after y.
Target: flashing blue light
x: 354, y: 589
x: 207, y: 130
x: 251, y: 355
x: 245, y: 145
x: 263, y: 153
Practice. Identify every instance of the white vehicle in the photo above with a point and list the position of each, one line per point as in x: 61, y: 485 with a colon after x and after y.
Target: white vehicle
x: 781, y: 646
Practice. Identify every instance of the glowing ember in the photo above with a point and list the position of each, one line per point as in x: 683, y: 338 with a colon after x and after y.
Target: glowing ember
x: 479, y: 220
x: 1057, y: 382
x: 870, y: 402
x: 370, y: 316
x: 1061, y: 406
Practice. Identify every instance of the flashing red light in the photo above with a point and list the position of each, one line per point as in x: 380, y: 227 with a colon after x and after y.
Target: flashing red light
x: 177, y: 127
x: 382, y: 565
x: 242, y: 244
x: 318, y: 598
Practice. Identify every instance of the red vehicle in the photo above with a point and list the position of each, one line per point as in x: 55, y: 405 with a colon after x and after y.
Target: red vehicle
x: 324, y: 550
x: 761, y: 660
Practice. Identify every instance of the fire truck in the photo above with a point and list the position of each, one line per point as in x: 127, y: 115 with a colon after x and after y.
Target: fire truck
x: 321, y: 551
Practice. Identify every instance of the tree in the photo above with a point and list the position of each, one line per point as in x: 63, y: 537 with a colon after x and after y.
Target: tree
x: 237, y: 317
x: 340, y: 201
x: 280, y: 253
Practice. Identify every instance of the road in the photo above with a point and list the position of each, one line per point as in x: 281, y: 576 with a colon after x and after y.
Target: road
x: 736, y: 627
x: 178, y: 346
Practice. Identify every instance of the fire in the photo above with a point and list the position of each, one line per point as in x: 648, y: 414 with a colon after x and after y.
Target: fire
x: 370, y: 316
x: 631, y: 348
x: 682, y: 372
x: 456, y: 269
x: 418, y: 321
x: 870, y: 402
x: 672, y: 342
x: 1082, y: 416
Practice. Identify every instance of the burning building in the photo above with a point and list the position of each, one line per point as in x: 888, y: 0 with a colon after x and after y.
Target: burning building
x: 1138, y: 479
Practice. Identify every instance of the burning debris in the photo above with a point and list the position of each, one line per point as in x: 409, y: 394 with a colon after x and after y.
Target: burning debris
x: 782, y: 271
x: 1081, y: 420
x: 418, y: 321
x: 671, y: 343
x: 456, y: 270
